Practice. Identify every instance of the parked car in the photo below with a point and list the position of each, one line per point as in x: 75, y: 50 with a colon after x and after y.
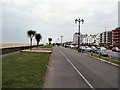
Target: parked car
x: 94, y: 49
x: 66, y: 46
x: 81, y: 49
x: 71, y: 46
x: 116, y: 49
x: 97, y: 50
x: 103, y: 51
x: 88, y: 49
x: 76, y: 46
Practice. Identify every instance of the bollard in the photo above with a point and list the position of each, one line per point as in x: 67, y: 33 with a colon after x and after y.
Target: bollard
x: 91, y: 53
x: 99, y: 55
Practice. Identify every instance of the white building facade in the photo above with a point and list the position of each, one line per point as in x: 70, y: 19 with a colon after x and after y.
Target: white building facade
x: 85, y: 39
x: 75, y: 38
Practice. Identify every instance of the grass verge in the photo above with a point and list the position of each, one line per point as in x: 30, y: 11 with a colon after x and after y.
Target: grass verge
x: 46, y: 46
x: 104, y: 58
x: 24, y: 70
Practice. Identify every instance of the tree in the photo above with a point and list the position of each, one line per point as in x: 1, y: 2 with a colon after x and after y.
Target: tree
x: 38, y: 37
x: 31, y: 34
x: 49, y: 40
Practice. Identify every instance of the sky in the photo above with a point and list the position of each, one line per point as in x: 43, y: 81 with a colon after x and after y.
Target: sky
x: 55, y: 18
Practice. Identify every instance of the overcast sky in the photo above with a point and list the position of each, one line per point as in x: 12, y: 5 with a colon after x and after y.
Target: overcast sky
x: 53, y: 18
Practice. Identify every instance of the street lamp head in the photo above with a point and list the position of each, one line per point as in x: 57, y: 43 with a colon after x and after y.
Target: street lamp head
x: 86, y: 35
x: 76, y: 20
x: 82, y: 21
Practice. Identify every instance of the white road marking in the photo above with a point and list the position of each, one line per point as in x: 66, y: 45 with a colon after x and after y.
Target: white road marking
x: 78, y: 71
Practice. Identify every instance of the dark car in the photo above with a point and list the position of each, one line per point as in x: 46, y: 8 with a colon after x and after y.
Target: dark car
x: 94, y: 49
x: 116, y: 49
x: 97, y: 50
x: 66, y: 46
x: 76, y: 46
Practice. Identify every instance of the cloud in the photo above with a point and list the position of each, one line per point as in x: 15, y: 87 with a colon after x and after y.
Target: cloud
x: 55, y: 18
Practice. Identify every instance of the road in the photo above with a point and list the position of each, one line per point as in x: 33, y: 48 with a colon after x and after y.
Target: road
x: 70, y: 69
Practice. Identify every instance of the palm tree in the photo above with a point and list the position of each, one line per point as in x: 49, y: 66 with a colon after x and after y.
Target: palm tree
x: 38, y: 37
x: 31, y: 34
x: 49, y: 39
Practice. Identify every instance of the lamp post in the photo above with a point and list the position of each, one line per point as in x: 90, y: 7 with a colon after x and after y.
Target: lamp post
x: 61, y: 39
x: 58, y: 40
x: 79, y: 20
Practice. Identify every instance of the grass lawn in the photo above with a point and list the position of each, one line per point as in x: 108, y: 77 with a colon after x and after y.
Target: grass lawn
x: 46, y: 46
x: 24, y: 70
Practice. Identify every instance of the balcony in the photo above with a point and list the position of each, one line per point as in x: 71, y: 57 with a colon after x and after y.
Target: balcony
x: 115, y: 44
x: 115, y: 32
x: 115, y: 38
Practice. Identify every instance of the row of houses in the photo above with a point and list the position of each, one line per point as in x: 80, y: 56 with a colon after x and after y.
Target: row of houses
x: 107, y: 39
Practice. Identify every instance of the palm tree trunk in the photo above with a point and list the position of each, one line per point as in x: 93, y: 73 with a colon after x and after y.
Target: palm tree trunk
x: 37, y: 44
x: 50, y: 43
x: 30, y: 43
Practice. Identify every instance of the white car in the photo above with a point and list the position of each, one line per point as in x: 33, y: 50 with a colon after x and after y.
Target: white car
x: 88, y: 49
x: 76, y: 46
x: 103, y: 51
x: 71, y: 46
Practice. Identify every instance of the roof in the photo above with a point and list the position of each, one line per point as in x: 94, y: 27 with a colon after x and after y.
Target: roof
x: 118, y: 28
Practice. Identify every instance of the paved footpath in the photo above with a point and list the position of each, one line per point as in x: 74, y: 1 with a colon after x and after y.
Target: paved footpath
x: 70, y: 69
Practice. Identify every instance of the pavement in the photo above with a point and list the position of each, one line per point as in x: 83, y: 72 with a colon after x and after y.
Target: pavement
x: 70, y: 69
x: 38, y: 50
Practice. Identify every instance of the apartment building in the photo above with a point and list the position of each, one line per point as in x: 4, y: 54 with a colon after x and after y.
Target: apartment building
x: 116, y: 37
x: 106, y: 39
